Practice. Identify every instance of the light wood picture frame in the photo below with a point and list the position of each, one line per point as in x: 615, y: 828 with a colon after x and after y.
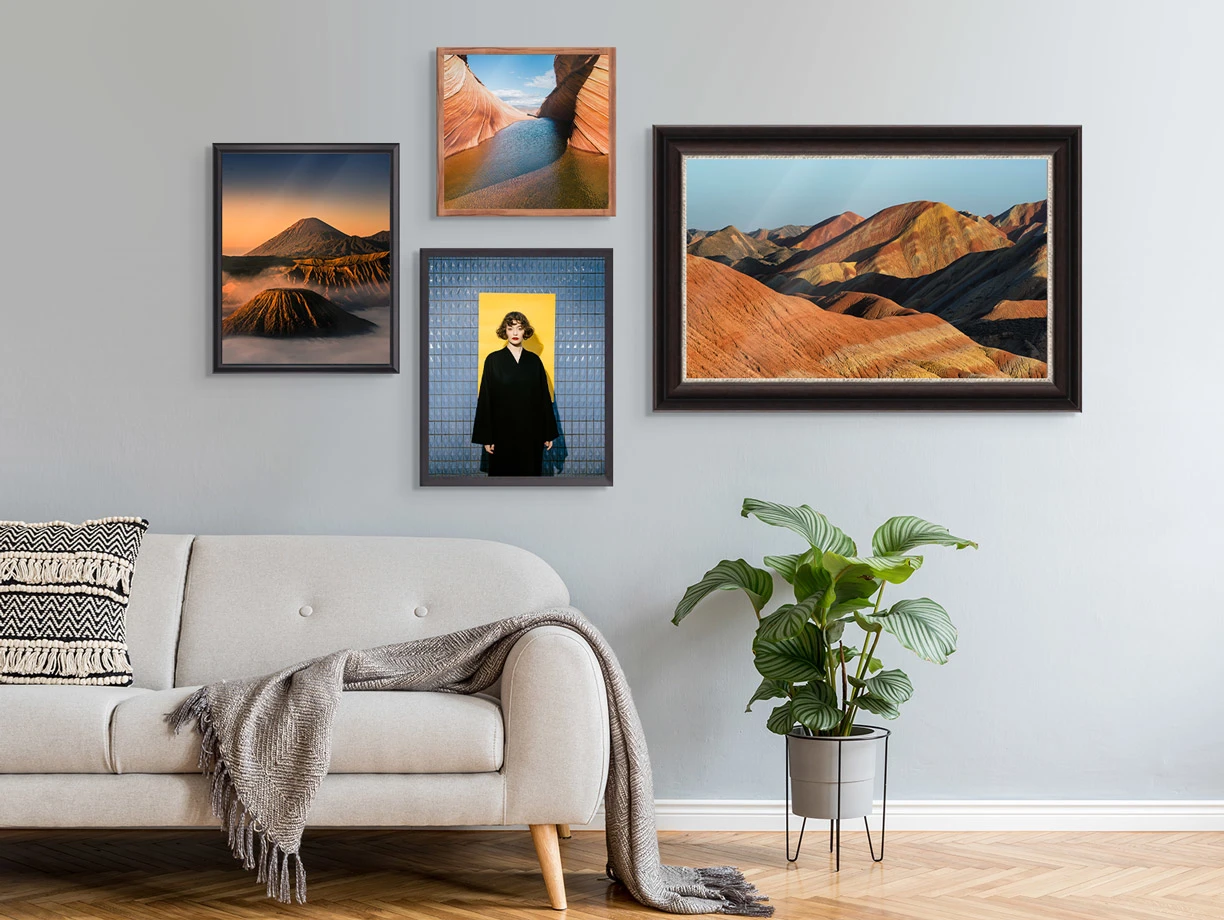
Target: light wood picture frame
x: 526, y: 132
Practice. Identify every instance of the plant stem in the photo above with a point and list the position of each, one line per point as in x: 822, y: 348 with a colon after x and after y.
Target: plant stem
x: 847, y: 722
x: 841, y: 653
x: 852, y: 708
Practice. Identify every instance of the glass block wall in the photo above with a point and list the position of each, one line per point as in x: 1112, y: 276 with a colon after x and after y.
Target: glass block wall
x: 455, y: 284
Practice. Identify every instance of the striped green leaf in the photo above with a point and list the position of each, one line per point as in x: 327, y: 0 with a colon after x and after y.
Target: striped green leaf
x: 851, y: 604
x: 815, y: 707
x: 880, y: 706
x: 728, y: 575
x: 868, y: 624
x: 803, y: 520
x: 811, y: 581
x: 786, y: 621
x: 769, y: 690
x: 785, y: 565
x: 892, y: 685
x: 901, y: 534
x: 895, y: 569
x: 796, y: 659
x: 923, y: 627
x: 781, y: 720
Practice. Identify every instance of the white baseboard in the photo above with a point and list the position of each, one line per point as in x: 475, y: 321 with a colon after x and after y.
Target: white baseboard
x: 954, y: 815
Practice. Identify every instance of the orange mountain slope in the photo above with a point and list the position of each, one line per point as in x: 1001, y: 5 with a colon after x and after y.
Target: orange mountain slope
x: 470, y: 113
x: 820, y: 234
x: 1018, y: 218
x: 738, y: 328
x: 1018, y: 309
x: 906, y: 240
x: 867, y: 306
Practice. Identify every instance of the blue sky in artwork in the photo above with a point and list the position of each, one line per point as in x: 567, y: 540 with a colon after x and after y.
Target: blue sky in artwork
x: 523, y: 80
x: 755, y: 192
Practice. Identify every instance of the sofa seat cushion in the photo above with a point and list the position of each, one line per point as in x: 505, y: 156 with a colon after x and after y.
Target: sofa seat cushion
x: 51, y: 728
x: 376, y: 731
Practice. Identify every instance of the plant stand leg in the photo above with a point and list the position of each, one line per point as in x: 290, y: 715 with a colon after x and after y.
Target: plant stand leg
x: 883, y: 812
x: 837, y: 860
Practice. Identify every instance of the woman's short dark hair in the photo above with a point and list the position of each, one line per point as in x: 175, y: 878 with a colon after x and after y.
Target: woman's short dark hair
x: 514, y: 316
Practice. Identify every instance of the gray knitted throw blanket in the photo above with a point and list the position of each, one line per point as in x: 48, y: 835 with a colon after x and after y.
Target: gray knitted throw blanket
x: 267, y: 743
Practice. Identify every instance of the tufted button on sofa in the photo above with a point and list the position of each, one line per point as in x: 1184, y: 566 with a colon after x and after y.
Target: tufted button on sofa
x: 532, y: 750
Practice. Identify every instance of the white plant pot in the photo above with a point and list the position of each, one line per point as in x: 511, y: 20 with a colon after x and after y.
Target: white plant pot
x: 814, y: 774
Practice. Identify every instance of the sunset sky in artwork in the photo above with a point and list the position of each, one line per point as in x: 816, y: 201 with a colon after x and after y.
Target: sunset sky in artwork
x: 264, y: 193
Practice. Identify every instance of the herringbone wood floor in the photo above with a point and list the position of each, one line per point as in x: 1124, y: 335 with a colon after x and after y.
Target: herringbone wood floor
x: 463, y: 875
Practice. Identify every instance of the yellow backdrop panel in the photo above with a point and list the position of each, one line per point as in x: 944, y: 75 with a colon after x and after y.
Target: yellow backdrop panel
x: 541, y: 313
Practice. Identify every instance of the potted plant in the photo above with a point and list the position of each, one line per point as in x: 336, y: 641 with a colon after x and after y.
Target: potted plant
x: 818, y: 654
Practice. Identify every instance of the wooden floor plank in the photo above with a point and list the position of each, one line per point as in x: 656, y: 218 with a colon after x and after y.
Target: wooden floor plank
x: 466, y: 875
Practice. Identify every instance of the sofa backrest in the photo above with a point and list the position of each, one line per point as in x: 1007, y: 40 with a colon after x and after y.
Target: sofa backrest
x: 256, y: 604
x: 154, y: 608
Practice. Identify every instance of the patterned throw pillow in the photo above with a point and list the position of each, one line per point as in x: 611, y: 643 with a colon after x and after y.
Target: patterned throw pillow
x: 63, y: 594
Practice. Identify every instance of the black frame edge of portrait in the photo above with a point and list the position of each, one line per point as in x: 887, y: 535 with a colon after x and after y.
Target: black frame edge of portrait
x: 672, y: 142
x: 393, y: 365
x: 428, y: 479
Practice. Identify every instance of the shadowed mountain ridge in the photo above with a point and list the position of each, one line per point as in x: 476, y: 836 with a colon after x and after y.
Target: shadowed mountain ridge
x: 292, y: 313
x: 314, y: 238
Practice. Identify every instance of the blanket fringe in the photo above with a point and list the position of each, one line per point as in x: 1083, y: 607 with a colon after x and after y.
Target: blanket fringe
x: 282, y: 871
x: 740, y: 895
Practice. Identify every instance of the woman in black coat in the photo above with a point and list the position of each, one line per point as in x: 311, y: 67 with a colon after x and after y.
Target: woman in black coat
x: 514, y: 414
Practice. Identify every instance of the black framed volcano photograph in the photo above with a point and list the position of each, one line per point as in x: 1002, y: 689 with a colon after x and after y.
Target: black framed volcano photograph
x: 306, y: 257
x: 867, y: 267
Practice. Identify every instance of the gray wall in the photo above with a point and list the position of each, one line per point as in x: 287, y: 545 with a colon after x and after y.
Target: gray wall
x: 1090, y: 619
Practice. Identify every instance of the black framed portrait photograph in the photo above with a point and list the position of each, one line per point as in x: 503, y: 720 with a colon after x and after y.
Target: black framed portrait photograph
x: 516, y: 367
x: 306, y: 257
x: 867, y: 267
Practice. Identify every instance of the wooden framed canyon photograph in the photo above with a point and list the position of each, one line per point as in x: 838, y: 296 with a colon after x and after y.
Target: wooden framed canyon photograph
x: 526, y: 131
x: 516, y: 367
x: 306, y: 257
x: 867, y: 267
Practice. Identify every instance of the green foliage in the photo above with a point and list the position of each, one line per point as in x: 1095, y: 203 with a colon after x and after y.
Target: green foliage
x: 800, y: 649
x: 728, y: 575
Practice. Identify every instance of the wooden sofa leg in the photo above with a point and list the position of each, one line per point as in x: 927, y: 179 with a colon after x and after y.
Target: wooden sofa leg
x: 563, y: 831
x: 544, y: 836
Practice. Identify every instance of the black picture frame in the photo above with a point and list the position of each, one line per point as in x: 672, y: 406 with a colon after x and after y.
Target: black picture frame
x: 392, y: 365
x: 1061, y: 144
x: 475, y: 478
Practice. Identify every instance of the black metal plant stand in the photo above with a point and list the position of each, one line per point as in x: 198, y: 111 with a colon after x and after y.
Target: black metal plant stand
x: 835, y: 823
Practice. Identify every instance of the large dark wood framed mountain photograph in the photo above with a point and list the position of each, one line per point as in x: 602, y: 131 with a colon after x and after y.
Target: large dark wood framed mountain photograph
x: 526, y: 132
x: 867, y: 267
x: 306, y: 257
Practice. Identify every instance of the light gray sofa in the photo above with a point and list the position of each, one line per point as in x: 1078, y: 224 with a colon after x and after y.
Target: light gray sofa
x: 533, y: 750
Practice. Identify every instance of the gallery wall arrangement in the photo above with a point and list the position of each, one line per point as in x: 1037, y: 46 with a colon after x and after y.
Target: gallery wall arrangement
x: 526, y: 131
x: 867, y: 267
x: 798, y: 267
x: 516, y: 367
x: 306, y: 257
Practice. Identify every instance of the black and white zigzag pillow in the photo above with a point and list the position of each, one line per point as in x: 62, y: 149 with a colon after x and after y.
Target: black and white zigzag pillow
x: 64, y: 592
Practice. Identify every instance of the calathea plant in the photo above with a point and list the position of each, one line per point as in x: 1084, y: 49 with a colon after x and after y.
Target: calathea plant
x: 805, y: 651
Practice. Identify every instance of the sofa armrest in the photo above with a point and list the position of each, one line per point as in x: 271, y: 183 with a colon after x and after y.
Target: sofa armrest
x: 555, y: 708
